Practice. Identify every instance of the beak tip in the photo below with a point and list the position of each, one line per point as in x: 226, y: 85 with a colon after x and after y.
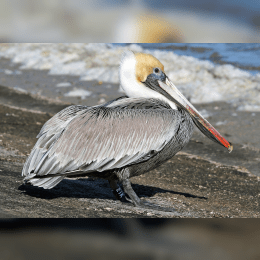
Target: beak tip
x: 230, y: 148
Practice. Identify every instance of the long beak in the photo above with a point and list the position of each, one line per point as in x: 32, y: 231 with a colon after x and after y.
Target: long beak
x: 205, y: 127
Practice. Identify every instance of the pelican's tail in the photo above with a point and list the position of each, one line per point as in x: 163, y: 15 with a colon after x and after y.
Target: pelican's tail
x: 46, y: 183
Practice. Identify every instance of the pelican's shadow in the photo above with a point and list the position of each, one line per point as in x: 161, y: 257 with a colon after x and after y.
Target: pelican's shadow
x: 92, y: 189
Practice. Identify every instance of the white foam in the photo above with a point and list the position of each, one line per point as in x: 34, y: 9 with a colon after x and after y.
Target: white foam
x: 221, y: 123
x: 205, y: 113
x: 73, y: 68
x: 229, y: 71
x: 249, y: 108
x: 82, y: 93
x: 10, y: 72
x: 200, y: 81
x: 20, y: 89
x: 63, y: 85
x: 102, y: 74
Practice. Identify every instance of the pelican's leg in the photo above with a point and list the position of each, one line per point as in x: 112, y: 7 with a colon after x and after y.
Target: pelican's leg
x: 132, y: 196
x: 118, y: 192
x: 130, y: 192
x: 141, y: 203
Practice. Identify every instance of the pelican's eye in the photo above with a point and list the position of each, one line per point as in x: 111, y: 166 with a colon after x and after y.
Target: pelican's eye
x: 156, y: 70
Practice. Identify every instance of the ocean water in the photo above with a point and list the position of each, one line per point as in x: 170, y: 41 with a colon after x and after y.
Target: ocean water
x: 241, y: 55
x: 204, y: 73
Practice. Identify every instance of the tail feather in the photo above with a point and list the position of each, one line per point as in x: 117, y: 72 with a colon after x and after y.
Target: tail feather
x: 46, y: 183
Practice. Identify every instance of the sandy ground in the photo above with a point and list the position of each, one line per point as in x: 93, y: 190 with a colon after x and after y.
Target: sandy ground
x: 203, y: 180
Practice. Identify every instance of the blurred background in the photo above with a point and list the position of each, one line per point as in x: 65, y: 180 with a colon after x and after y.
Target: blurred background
x: 129, y: 21
x: 129, y: 239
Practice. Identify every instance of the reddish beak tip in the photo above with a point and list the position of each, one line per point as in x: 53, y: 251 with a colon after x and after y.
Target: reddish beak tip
x: 230, y: 148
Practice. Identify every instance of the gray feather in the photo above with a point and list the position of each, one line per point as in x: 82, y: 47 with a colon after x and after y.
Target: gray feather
x: 111, y: 136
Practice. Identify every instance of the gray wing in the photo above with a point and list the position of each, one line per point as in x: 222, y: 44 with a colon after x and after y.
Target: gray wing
x: 103, y: 139
x: 99, y: 139
x: 49, y: 133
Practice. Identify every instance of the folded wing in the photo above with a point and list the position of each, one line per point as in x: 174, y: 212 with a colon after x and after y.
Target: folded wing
x: 99, y: 139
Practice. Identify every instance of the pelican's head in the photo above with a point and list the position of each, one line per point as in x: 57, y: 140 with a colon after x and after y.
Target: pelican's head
x: 140, y: 74
x: 143, y: 76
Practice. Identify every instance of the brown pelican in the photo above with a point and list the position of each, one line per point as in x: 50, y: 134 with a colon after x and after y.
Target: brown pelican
x: 123, y: 138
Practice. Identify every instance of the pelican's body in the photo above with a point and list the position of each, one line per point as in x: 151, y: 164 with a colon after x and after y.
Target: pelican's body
x: 122, y: 138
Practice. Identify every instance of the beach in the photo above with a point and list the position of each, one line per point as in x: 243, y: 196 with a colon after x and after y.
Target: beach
x: 203, y: 180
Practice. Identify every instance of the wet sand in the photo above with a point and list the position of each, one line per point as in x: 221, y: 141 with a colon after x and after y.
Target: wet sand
x: 197, y: 182
x: 203, y: 180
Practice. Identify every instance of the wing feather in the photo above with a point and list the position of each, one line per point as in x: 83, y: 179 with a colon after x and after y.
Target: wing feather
x: 103, y: 139
x: 99, y: 138
x: 48, y: 135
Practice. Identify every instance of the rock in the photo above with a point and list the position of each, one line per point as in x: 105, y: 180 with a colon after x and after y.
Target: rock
x: 193, y: 186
